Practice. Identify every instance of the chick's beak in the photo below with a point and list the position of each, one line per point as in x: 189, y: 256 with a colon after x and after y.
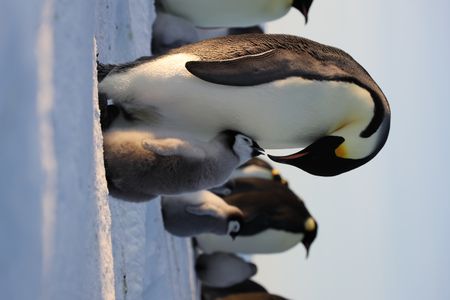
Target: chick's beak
x: 257, y: 149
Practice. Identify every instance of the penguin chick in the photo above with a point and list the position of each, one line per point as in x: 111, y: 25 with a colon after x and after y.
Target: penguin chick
x: 309, y: 96
x: 275, y: 220
x: 200, y: 212
x: 140, y: 165
x: 233, y: 13
x: 222, y: 270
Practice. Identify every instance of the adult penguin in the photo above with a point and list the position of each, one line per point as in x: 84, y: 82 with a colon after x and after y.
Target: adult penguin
x: 275, y: 220
x: 232, y: 13
x: 283, y: 91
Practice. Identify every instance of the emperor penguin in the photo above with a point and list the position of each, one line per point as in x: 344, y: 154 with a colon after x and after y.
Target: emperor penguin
x: 200, y: 212
x: 253, y: 296
x: 232, y: 13
x: 170, y: 32
x: 221, y: 270
x: 275, y: 220
x: 141, y: 164
x: 247, y: 286
x: 307, y: 95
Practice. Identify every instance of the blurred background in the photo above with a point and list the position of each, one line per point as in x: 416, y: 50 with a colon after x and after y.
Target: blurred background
x: 384, y: 228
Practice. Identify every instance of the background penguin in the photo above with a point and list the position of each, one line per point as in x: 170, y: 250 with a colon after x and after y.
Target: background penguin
x: 307, y: 94
x: 140, y: 165
x: 258, y: 168
x: 194, y: 213
x: 232, y: 13
x: 222, y: 270
x: 253, y: 296
x: 254, y: 168
x: 275, y: 220
x: 170, y: 32
x: 247, y: 286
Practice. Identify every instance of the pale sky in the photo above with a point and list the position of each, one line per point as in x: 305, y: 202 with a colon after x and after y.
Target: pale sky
x: 384, y: 229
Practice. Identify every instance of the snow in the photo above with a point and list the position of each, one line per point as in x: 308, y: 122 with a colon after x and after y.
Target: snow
x: 60, y: 235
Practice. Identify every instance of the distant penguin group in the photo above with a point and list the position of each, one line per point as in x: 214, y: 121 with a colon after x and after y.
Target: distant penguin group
x: 187, y: 124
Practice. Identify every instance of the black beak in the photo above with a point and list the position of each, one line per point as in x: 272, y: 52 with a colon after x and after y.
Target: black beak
x: 303, y: 6
x: 257, y: 149
x: 233, y: 235
x: 307, y: 246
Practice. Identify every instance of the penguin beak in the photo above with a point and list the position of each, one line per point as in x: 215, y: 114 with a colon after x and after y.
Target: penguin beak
x: 303, y: 6
x: 257, y: 149
x: 289, y: 159
x: 307, y: 246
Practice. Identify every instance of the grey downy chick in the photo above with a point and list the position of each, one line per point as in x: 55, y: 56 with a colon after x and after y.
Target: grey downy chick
x: 141, y: 165
x: 200, y: 212
x: 222, y: 270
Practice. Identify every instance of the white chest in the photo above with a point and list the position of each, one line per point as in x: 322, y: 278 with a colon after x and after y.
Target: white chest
x: 227, y: 13
x: 268, y: 241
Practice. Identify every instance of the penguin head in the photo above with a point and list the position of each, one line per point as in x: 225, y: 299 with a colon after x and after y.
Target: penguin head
x: 344, y: 150
x: 310, y: 233
x: 321, y: 158
x: 243, y: 146
x: 303, y: 6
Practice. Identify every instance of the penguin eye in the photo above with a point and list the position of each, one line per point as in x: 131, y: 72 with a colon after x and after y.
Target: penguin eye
x: 246, y: 139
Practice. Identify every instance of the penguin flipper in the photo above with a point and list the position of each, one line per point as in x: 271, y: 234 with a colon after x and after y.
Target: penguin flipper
x: 250, y: 70
x: 204, y: 209
x: 171, y: 147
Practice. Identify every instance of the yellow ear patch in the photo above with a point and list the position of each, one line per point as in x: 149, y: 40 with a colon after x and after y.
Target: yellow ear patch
x: 341, y: 151
x: 310, y: 224
x: 275, y: 172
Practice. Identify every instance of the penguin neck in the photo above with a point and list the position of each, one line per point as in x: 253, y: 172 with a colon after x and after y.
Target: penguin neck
x: 219, y: 158
x: 355, y: 146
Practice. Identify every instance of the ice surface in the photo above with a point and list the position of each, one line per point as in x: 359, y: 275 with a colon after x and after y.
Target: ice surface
x: 60, y: 235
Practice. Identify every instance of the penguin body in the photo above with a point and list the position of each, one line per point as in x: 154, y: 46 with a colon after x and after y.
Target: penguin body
x: 221, y: 270
x: 199, y: 212
x: 275, y: 220
x: 232, y: 13
x: 307, y: 94
x: 141, y: 165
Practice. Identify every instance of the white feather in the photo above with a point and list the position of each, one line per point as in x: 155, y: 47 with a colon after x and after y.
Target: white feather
x: 267, y: 241
x: 227, y: 13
